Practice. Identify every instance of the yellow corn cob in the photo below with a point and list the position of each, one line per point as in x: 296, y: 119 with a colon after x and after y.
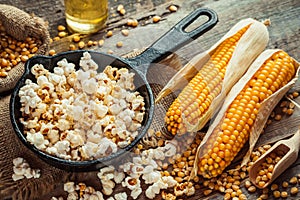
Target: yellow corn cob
x: 233, y: 131
x: 195, y: 99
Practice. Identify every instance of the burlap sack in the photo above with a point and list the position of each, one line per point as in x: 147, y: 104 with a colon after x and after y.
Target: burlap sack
x: 19, y: 25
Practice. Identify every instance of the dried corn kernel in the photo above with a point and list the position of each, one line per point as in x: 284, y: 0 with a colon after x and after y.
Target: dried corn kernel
x: 173, y: 8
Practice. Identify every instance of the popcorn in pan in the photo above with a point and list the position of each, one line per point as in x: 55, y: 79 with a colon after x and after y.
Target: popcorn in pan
x: 83, y: 114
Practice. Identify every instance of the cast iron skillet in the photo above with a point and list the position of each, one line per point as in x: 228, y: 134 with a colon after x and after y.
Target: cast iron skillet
x: 175, y: 38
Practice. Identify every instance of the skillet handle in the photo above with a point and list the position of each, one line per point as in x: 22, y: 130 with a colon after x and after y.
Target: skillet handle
x: 175, y: 38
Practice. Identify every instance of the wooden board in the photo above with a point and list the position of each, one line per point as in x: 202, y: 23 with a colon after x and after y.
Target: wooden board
x: 284, y: 33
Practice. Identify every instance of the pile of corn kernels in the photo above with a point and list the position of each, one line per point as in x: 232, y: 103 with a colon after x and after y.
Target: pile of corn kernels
x: 12, y: 51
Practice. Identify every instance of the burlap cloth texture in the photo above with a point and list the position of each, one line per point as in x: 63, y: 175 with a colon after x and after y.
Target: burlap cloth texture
x: 19, y: 25
x: 52, y: 178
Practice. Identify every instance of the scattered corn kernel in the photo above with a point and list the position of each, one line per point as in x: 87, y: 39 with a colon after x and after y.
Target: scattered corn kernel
x: 109, y: 33
x: 156, y: 19
x: 76, y: 38
x: 61, y: 28
x: 264, y: 196
x: 90, y: 43
x: 295, y: 94
x: 207, y: 192
x: 252, y: 188
x: 132, y: 22
x: 284, y: 194
x: 100, y: 42
x: 52, y: 52
x: 278, y: 117
x: 290, y: 111
x: 274, y: 186
x: 125, y: 32
x: 285, y: 184
x: 72, y: 47
x: 293, y: 180
x: 122, y: 11
x: 62, y: 34
x: 56, y: 38
x: 173, y: 8
x: 119, y: 44
x: 294, y: 190
x: 81, y: 44
x: 120, y: 7
x: 276, y: 194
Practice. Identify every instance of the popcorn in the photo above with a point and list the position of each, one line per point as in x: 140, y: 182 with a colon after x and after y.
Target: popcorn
x: 89, y: 86
x: 155, y: 189
x: 131, y: 183
x: 170, y: 149
x: 37, y: 139
x: 83, y: 114
x: 39, y: 70
x: 136, y: 193
x: 169, y: 180
x: 68, y: 68
x: 118, y: 176
x: 106, y: 175
x: 57, y: 198
x: 87, y: 63
x: 22, y: 170
x: 69, y: 187
x: 75, y: 139
x: 151, y: 176
x: 63, y: 124
x: 134, y: 184
x: 107, y: 146
x: 159, y: 184
x: 120, y: 196
x: 72, y: 196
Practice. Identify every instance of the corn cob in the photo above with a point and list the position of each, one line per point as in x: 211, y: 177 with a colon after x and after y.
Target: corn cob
x: 234, y: 129
x: 195, y: 99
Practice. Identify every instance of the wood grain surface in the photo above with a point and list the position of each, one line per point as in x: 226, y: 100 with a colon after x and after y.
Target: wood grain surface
x: 284, y: 33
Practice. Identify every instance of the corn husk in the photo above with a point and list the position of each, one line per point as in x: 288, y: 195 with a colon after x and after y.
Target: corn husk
x: 264, y: 111
x: 250, y: 45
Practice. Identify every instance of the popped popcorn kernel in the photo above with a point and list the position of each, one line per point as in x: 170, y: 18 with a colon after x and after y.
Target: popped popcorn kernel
x: 22, y: 170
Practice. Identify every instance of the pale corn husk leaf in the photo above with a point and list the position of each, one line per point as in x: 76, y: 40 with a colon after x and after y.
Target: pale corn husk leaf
x: 265, y: 110
x: 250, y: 45
x: 186, y: 73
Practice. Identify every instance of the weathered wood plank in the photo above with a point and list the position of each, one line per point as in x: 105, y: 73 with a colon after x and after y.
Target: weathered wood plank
x: 284, y: 33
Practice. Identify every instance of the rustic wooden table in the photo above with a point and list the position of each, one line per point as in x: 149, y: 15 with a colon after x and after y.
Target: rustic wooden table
x: 284, y: 33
